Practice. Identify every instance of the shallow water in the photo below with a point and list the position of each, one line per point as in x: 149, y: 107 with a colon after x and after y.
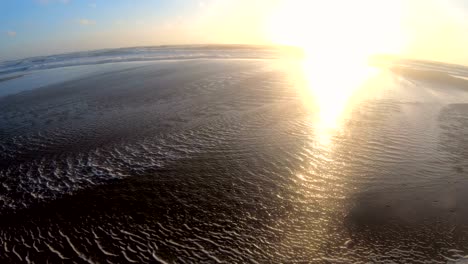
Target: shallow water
x: 225, y: 160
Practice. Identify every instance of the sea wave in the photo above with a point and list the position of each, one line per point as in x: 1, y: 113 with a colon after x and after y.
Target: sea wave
x: 138, y: 54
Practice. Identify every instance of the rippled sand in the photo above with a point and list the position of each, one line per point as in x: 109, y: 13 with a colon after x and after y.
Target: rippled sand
x: 222, y: 161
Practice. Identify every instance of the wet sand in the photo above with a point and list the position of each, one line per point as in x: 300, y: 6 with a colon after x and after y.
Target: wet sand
x: 4, y: 79
x: 220, y: 161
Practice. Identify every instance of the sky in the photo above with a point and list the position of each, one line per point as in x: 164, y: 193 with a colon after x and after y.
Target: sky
x: 421, y: 29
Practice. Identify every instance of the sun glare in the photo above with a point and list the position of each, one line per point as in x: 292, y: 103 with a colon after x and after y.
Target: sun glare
x: 338, y: 38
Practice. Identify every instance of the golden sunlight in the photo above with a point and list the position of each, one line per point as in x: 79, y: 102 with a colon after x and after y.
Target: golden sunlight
x: 331, y: 84
x: 338, y: 38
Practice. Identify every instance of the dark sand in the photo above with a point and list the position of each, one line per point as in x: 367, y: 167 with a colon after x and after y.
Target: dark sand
x: 219, y: 161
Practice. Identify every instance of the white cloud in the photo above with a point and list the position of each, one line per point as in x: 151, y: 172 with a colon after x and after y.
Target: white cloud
x: 86, y: 22
x: 93, y: 5
x: 11, y: 33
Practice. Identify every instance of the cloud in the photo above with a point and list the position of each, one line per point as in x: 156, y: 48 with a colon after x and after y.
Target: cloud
x: 86, y: 22
x: 11, y: 33
x: 93, y: 5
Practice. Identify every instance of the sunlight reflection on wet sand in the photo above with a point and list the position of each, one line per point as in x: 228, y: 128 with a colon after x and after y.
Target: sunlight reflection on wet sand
x: 331, y: 89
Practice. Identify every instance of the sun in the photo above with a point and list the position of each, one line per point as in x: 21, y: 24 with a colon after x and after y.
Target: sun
x: 364, y: 27
x: 338, y: 38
